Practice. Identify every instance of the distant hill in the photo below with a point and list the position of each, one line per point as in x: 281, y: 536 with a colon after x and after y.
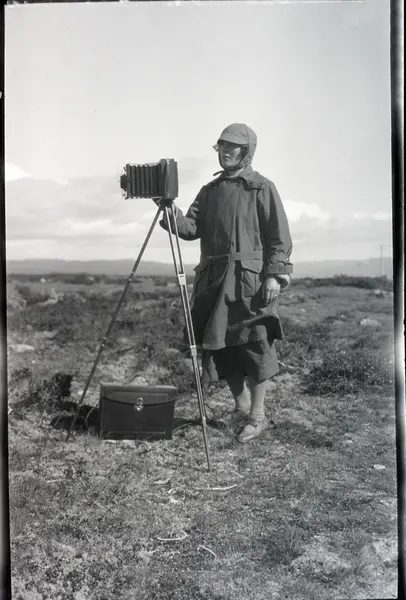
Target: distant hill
x: 325, y: 268
x: 355, y: 268
x: 93, y: 267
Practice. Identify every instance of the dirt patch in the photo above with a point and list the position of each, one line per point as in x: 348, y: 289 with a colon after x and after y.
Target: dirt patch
x: 318, y: 560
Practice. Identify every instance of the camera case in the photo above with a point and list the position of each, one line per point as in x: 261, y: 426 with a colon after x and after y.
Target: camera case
x: 136, y: 412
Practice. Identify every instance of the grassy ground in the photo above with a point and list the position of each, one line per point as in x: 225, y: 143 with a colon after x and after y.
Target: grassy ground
x: 306, y: 512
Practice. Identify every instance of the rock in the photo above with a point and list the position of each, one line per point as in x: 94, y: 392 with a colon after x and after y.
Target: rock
x: 66, y: 548
x: 127, y: 443
x: 48, y: 302
x: 380, y: 553
x: 19, y: 348
x: 53, y: 298
x: 45, y: 335
x: 386, y: 548
x: 14, y: 298
x: 139, y: 380
x: 367, y: 322
x: 286, y: 368
x: 298, y: 297
x: 379, y: 293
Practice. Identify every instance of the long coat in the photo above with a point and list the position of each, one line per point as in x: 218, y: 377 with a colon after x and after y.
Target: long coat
x: 244, y: 236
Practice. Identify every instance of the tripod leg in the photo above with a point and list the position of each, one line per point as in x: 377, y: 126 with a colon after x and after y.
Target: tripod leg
x: 104, y: 339
x: 189, y: 323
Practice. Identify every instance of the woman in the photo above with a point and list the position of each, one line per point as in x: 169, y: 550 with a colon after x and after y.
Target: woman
x: 245, y: 251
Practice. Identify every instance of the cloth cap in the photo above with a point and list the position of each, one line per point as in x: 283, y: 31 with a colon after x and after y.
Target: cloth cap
x: 241, y: 134
x: 238, y: 133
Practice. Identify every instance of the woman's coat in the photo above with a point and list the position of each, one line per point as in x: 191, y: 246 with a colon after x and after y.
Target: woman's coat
x: 244, y: 236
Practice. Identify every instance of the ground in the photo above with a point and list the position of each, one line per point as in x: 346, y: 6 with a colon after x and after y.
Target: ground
x: 306, y: 512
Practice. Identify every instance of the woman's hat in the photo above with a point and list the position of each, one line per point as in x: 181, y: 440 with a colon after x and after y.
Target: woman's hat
x: 238, y: 133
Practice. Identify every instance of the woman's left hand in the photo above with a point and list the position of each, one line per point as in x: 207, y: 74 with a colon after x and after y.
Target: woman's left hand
x: 270, y: 290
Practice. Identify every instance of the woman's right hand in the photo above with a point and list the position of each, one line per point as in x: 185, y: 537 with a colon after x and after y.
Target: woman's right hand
x: 164, y: 219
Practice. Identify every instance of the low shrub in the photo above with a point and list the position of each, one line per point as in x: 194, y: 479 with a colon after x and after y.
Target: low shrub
x: 26, y: 390
x: 31, y: 296
x: 80, y: 278
x: 370, y: 283
x: 349, y: 371
x: 178, y: 374
x: 301, y: 339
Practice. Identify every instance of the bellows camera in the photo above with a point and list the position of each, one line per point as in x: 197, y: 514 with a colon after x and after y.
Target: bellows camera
x: 154, y: 180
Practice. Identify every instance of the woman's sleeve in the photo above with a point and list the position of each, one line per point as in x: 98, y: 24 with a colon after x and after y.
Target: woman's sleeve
x: 275, y: 232
x: 189, y: 225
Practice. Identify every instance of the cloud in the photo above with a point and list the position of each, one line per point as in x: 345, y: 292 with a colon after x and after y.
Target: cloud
x: 89, y: 218
x: 149, y: 215
x: 296, y: 210
x: 13, y: 172
x: 379, y: 216
x: 191, y: 169
x: 104, y: 228
x: 342, y: 237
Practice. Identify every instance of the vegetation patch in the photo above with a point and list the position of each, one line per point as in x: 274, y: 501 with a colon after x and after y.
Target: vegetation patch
x: 307, y: 511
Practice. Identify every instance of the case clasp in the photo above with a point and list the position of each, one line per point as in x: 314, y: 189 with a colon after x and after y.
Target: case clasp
x: 139, y: 404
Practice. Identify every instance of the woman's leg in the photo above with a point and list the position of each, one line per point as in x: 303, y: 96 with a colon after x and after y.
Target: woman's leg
x: 240, y: 393
x: 226, y: 362
x: 256, y: 422
x: 257, y: 389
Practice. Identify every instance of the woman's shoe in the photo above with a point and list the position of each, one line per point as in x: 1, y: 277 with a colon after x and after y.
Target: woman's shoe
x: 234, y: 420
x: 252, y: 430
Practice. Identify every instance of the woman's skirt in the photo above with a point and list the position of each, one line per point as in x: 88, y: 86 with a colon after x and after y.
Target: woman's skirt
x: 257, y: 360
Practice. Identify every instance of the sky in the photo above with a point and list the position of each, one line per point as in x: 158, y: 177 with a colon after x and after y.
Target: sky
x: 93, y: 86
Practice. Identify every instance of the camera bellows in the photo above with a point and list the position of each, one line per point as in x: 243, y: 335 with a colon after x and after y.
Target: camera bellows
x: 155, y: 180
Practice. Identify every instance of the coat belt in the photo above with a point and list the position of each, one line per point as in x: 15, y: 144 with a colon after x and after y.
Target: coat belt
x: 233, y: 256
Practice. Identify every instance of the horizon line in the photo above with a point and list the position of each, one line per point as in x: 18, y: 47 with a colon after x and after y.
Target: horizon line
x: 111, y: 260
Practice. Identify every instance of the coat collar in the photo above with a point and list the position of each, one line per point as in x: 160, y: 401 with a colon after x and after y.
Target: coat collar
x: 252, y: 178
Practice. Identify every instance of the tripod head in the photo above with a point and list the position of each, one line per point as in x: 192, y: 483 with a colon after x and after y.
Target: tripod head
x: 156, y: 180
x: 163, y: 202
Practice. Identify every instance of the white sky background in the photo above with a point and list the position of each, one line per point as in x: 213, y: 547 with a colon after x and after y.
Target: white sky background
x: 90, y: 87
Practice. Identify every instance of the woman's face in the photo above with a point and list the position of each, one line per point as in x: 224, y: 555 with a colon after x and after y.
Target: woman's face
x: 229, y: 155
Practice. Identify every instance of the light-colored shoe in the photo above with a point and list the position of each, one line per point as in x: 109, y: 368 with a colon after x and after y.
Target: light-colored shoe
x: 234, y: 420
x: 252, y: 430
